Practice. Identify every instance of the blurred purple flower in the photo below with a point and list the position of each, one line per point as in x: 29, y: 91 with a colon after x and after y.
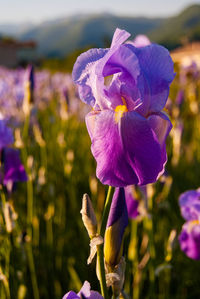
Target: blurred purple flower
x: 6, y: 135
x: 189, y: 202
x: 131, y: 202
x: 180, y: 97
x: 85, y: 293
x: 13, y: 169
x: 189, y: 237
x: 140, y: 41
x: 116, y: 224
x: 127, y: 87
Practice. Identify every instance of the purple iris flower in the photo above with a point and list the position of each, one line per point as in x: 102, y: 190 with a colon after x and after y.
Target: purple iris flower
x: 127, y: 86
x: 131, y: 202
x: 85, y: 293
x: 13, y: 169
x: 6, y: 135
x: 116, y: 224
x: 189, y: 237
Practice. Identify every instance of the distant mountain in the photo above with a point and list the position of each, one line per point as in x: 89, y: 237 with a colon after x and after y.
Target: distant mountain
x: 15, y: 29
x: 179, y: 29
x: 60, y: 37
x: 66, y: 35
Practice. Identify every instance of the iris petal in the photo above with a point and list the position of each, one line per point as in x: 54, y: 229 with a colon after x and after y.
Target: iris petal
x: 127, y: 152
x: 83, y: 73
x: 157, y: 66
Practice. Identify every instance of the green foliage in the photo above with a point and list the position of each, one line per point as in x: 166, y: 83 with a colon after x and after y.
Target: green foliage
x: 62, y: 169
x: 173, y: 31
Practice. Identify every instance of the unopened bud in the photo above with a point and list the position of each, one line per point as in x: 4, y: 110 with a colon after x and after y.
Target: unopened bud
x: 88, y: 216
x: 116, y: 224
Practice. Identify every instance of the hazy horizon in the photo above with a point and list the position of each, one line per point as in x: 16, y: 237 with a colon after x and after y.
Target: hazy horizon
x: 37, y: 12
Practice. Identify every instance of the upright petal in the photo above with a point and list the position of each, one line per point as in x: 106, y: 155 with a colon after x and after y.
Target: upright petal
x: 157, y: 67
x: 83, y: 73
x: 86, y: 292
x: 119, y: 37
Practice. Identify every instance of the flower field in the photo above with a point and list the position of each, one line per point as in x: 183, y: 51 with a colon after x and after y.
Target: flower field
x: 43, y: 244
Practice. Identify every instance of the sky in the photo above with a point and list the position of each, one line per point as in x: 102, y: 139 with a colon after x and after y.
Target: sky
x: 17, y: 11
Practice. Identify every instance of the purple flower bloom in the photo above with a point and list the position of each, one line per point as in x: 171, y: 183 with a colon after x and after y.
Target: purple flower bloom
x: 85, y: 292
x: 131, y: 202
x: 140, y: 41
x: 127, y: 87
x: 189, y: 237
x: 180, y: 97
x: 117, y: 222
x: 189, y: 202
x: 6, y: 135
x: 13, y: 169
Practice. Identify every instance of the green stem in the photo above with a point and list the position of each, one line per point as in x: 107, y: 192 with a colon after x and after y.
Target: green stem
x: 148, y: 225
x: 100, y: 256
x: 29, y: 250
x: 100, y: 259
x: 29, y: 253
x: 106, y: 210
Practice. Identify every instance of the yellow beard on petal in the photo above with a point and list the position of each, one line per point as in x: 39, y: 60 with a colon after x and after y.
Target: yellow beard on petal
x: 119, y: 112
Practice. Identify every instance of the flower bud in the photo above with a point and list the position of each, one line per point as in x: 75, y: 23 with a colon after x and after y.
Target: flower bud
x: 88, y: 216
x: 117, y: 222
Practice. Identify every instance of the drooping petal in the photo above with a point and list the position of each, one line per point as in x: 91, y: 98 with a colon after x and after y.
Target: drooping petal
x: 141, y: 147
x: 127, y: 152
x: 90, y: 122
x: 161, y: 125
x: 13, y: 169
x: 107, y: 148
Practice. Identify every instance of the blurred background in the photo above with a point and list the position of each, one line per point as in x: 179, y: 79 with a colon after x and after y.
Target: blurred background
x: 43, y: 244
x: 53, y: 34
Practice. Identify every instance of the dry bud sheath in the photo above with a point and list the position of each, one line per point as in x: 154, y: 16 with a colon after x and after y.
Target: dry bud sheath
x: 88, y: 216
